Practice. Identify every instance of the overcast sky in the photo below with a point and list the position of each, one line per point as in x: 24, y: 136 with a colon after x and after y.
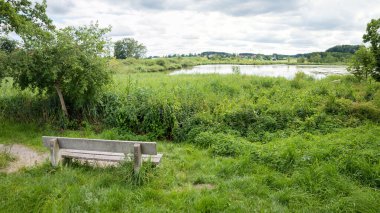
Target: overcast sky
x: 194, y: 26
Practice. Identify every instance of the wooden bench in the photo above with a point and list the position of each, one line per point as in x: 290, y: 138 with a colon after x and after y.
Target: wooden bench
x: 103, y: 150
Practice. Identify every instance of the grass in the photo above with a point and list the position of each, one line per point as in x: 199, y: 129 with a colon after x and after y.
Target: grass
x: 335, y: 172
x: 5, y: 159
x: 231, y: 143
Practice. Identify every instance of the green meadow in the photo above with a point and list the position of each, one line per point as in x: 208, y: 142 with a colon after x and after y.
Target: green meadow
x: 231, y: 143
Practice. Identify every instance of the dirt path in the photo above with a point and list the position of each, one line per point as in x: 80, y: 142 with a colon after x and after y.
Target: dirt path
x: 25, y: 157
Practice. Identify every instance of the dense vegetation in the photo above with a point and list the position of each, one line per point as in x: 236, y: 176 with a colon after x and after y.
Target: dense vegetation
x: 372, y: 36
x: 344, y: 49
x: 340, y: 54
x: 129, y: 48
x: 176, y: 106
x: 325, y: 58
x: 288, y: 145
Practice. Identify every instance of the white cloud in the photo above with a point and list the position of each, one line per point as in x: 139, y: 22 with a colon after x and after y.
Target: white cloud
x: 186, y: 26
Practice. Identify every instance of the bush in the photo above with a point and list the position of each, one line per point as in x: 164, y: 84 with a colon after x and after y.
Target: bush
x: 365, y: 111
x: 205, y: 139
x: 221, y: 144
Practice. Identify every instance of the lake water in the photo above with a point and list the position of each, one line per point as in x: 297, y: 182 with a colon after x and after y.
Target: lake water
x: 278, y: 70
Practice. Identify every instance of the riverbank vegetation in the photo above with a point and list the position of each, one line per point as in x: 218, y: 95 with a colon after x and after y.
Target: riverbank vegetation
x: 300, y: 144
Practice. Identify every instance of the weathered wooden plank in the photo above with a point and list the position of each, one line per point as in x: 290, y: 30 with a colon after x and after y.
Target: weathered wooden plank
x: 106, y: 156
x: 102, y: 145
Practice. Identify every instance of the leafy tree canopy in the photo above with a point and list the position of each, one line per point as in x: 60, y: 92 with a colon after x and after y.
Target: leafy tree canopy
x: 129, y: 48
x: 372, y: 36
x: 68, y: 63
x: 362, y: 63
x: 344, y: 48
x: 27, y: 19
x: 7, y: 45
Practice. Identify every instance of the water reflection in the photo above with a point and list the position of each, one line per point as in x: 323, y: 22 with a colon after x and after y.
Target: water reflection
x: 287, y: 71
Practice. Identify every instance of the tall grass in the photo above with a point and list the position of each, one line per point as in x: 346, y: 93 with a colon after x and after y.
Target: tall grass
x: 333, y: 172
x: 5, y: 158
x: 180, y: 107
x: 231, y: 143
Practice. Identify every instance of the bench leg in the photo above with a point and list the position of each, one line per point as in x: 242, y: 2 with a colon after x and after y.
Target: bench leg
x: 54, y: 152
x: 137, y: 158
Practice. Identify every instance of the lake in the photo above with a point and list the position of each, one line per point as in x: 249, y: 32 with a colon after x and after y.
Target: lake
x: 278, y: 70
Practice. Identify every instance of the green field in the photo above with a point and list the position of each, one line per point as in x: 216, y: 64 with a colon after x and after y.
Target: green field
x: 231, y: 143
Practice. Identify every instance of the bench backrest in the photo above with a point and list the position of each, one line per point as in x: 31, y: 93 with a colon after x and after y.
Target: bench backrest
x: 117, y: 146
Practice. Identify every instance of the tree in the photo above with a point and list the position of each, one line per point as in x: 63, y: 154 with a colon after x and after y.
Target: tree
x: 315, y: 58
x: 301, y: 60
x: 27, y: 19
x: 7, y: 45
x: 362, y: 63
x: 344, y: 48
x: 129, y: 48
x: 67, y: 64
x: 3, y: 61
x: 373, y: 37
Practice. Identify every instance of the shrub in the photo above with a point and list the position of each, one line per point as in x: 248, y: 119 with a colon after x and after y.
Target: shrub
x: 220, y: 144
x: 192, y: 125
x: 337, y: 106
x: 205, y: 139
x: 365, y: 111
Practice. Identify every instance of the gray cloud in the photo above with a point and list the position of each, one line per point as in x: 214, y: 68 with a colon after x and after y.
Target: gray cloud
x: 249, y: 7
x: 59, y: 7
x: 121, y: 32
x: 230, y: 7
x: 184, y: 26
x: 271, y: 38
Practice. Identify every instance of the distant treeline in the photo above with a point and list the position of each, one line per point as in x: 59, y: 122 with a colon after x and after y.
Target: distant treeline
x: 336, y: 54
x: 344, y: 49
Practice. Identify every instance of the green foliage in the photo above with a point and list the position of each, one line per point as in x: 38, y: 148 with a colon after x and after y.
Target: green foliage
x: 373, y: 37
x: 3, y: 62
x: 70, y: 64
x: 307, y: 172
x: 227, y: 145
x: 344, y: 48
x: 180, y: 107
x: 26, y: 18
x: 301, y: 60
x: 7, y: 45
x: 221, y: 144
x: 362, y: 64
x: 5, y: 159
x: 129, y: 48
x: 328, y: 57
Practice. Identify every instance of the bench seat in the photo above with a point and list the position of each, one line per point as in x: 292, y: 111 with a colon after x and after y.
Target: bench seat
x: 102, y: 150
x: 106, y: 156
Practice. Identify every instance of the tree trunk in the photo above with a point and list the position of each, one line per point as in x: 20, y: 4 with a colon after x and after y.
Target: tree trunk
x: 63, y: 105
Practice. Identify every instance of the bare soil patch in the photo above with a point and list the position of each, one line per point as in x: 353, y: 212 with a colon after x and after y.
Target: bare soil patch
x: 25, y: 157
